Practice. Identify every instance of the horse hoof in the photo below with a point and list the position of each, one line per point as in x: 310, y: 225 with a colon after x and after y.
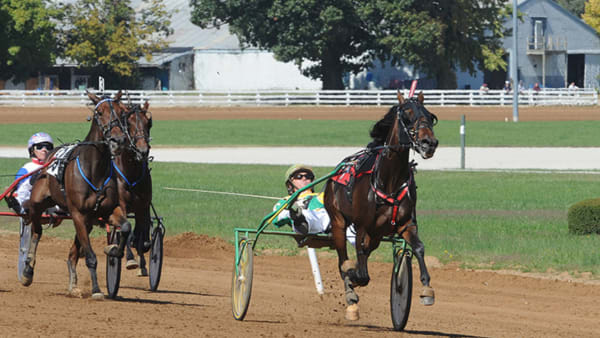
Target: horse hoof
x: 348, y: 265
x: 26, y: 281
x: 76, y: 292
x: 131, y: 264
x: 98, y: 296
x: 113, y: 251
x: 142, y: 273
x: 352, y: 312
x: 427, y: 296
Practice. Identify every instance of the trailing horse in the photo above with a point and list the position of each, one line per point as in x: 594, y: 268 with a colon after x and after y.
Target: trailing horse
x: 135, y: 183
x: 88, y: 190
x: 382, y: 202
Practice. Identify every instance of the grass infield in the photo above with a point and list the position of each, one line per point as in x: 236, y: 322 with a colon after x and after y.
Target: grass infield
x: 326, y: 133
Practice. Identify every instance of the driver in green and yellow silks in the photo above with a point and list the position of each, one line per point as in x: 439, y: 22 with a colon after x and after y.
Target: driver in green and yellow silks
x: 307, y: 215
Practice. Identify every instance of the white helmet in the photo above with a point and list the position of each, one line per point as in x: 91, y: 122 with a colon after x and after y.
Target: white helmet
x: 39, y: 138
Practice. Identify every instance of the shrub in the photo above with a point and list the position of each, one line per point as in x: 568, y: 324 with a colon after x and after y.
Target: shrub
x: 584, y: 217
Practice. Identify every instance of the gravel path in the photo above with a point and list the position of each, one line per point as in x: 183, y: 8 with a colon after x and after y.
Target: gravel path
x: 476, y: 158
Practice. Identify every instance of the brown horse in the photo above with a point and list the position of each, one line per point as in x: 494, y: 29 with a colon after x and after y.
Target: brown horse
x: 383, y: 202
x: 135, y: 183
x: 89, y: 191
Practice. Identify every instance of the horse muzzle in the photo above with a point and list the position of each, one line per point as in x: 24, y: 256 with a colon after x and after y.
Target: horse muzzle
x: 427, y: 147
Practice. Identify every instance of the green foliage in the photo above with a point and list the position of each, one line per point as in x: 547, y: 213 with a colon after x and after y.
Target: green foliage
x: 584, y: 217
x: 27, y: 42
x: 112, y: 36
x: 329, y: 38
x: 592, y: 14
x: 576, y: 7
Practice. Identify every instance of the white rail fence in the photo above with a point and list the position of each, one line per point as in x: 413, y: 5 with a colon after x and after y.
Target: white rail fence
x: 74, y: 98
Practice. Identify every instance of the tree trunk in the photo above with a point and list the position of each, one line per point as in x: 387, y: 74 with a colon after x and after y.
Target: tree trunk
x: 331, y: 68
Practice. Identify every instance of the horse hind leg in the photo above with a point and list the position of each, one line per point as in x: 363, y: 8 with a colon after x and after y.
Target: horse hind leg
x: 74, y: 253
x: 427, y: 295
x: 132, y: 263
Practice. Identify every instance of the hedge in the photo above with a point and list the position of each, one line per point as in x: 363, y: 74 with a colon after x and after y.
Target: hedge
x: 584, y: 217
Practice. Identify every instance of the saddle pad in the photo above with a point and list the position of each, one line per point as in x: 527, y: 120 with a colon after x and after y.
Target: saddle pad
x: 61, y: 158
x: 358, y: 165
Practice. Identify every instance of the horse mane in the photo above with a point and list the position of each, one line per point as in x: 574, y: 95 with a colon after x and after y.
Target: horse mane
x: 382, y: 127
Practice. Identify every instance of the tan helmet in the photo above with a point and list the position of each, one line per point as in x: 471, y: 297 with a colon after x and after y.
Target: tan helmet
x: 292, y: 170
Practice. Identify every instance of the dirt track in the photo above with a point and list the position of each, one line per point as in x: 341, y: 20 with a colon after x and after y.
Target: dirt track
x: 566, y: 113
x: 193, y: 298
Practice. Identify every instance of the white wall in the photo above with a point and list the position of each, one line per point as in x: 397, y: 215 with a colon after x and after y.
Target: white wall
x: 592, y: 71
x: 243, y: 70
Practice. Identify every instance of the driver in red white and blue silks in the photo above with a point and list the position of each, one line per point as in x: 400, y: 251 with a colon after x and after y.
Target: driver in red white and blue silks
x: 39, y: 146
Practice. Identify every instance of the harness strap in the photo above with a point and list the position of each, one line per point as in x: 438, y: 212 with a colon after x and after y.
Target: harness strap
x: 125, y: 178
x: 88, y: 181
x: 391, y: 200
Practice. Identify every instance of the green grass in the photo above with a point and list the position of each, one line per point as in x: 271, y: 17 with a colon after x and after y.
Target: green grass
x: 480, y: 219
x: 326, y: 133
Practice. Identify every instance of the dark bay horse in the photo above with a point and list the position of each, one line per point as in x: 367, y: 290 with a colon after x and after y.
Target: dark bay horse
x: 89, y: 191
x: 383, y: 202
x: 135, y: 183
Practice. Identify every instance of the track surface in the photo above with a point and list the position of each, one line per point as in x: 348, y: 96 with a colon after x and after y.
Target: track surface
x: 193, y: 298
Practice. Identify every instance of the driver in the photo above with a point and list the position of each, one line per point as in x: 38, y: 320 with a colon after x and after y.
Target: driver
x: 39, y: 146
x: 307, y: 215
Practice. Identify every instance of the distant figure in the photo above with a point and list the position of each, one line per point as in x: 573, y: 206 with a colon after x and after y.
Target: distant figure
x: 507, y: 88
x: 536, y: 87
x: 484, y: 88
x: 573, y: 86
x: 521, y: 86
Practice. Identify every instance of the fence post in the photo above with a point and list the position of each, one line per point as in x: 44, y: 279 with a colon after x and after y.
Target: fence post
x: 379, y: 98
x: 471, y: 99
x: 200, y: 98
x: 22, y: 99
x: 257, y: 98
x: 347, y: 98
x: 442, y: 99
x: 52, y: 99
x: 317, y: 98
x: 462, y: 142
x: 287, y: 99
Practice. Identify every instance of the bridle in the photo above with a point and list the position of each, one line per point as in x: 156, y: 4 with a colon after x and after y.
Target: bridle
x: 114, y: 121
x: 422, y: 118
x: 139, y: 132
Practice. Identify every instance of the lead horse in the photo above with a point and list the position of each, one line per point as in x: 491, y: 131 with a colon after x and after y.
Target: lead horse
x: 89, y: 192
x: 383, y: 202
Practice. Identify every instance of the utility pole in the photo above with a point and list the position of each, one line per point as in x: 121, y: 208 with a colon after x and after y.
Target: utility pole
x: 513, y: 66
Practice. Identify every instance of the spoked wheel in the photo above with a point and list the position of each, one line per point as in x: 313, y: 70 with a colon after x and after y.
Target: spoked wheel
x: 241, y: 286
x: 25, y: 234
x: 156, y: 256
x: 113, y: 266
x: 401, y: 293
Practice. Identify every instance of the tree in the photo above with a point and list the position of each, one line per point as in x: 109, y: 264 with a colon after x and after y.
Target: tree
x: 576, y: 7
x: 110, y: 36
x: 327, y: 38
x: 28, y: 40
x: 592, y: 14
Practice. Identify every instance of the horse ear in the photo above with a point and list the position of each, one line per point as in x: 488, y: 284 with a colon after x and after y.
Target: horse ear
x: 93, y: 97
x: 421, y: 98
x: 400, y: 97
x: 118, y: 96
x: 145, y: 106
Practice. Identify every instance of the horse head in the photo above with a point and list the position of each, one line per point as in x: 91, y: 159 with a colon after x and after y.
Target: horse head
x: 108, y: 124
x: 418, y: 123
x: 139, y: 121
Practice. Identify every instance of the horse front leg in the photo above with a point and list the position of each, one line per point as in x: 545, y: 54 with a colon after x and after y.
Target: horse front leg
x: 83, y: 225
x: 143, y: 223
x: 410, y: 235
x: 119, y: 218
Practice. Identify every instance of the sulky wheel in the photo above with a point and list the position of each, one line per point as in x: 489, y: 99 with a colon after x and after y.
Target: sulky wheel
x: 25, y: 241
x: 156, y: 256
x: 113, y: 266
x: 401, y: 293
x: 241, y: 286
